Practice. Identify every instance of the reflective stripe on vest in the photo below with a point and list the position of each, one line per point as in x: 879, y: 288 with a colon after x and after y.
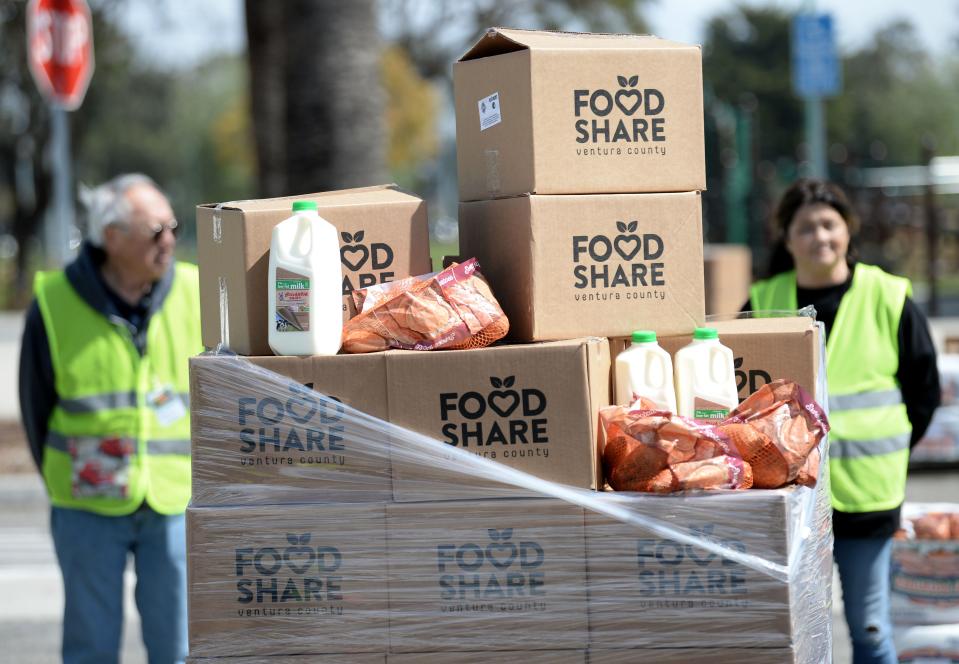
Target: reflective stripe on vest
x: 61, y: 443
x: 870, y: 431
x: 109, y: 401
x: 879, y: 399
x: 104, y: 425
x: 850, y: 449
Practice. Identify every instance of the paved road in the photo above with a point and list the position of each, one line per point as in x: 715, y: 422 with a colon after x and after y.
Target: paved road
x: 11, y: 327
x: 31, y: 596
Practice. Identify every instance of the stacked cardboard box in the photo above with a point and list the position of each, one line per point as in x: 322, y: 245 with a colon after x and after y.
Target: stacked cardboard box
x: 435, y: 506
x: 580, y: 161
x: 764, y: 350
x: 262, y: 434
x: 728, y: 275
x: 924, y: 589
x: 940, y: 445
x: 295, y: 553
x: 383, y: 233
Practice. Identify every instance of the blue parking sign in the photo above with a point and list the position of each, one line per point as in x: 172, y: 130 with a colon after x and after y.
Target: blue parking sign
x: 815, y: 62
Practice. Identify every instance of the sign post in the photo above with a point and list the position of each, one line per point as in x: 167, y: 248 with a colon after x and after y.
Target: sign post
x: 60, y: 54
x: 815, y: 74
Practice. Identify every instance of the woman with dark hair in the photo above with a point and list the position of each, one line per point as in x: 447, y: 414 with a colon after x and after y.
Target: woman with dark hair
x: 883, y: 389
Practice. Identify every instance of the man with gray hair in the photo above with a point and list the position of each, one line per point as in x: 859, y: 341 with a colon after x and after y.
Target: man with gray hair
x: 104, y: 391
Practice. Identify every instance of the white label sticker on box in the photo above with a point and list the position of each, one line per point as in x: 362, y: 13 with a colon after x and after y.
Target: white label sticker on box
x: 489, y: 111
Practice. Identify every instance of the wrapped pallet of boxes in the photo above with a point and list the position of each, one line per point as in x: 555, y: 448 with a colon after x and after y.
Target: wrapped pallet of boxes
x: 940, y: 444
x: 352, y: 658
x: 326, y: 569
x: 927, y: 644
x: 383, y: 236
x: 924, y: 583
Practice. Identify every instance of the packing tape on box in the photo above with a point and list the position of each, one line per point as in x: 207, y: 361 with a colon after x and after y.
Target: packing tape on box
x: 295, y: 546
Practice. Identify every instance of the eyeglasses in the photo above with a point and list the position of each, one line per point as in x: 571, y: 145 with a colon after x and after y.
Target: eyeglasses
x: 156, y: 230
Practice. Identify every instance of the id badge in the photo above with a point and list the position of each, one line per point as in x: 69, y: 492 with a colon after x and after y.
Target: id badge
x: 100, y: 466
x: 167, y: 405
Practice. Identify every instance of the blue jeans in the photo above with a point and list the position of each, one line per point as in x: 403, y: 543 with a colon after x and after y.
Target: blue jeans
x: 864, y: 575
x: 92, y: 551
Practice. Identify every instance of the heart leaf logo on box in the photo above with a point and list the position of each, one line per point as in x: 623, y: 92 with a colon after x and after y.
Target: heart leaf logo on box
x: 503, y: 402
x: 500, y: 551
x: 627, y: 92
x: 299, y: 555
x: 627, y: 246
x: 354, y: 256
x: 497, y: 535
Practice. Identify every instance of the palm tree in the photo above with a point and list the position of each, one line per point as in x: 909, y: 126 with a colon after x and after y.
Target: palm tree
x: 316, y: 94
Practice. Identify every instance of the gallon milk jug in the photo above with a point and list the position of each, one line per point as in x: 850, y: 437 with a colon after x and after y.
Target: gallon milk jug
x: 645, y: 370
x: 305, y: 288
x: 705, y: 382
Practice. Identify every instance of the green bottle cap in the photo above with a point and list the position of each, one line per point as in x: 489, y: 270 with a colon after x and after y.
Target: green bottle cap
x: 300, y: 206
x: 706, y: 333
x: 643, y: 336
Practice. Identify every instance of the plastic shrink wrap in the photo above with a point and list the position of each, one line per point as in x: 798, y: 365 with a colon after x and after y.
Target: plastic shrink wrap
x: 927, y: 644
x: 299, y: 552
x: 940, y: 444
x: 924, y: 582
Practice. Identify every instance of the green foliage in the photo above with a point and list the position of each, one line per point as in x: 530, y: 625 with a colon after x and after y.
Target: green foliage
x: 188, y: 129
x: 412, y: 106
x: 746, y: 62
x: 433, y: 46
x: 895, y: 96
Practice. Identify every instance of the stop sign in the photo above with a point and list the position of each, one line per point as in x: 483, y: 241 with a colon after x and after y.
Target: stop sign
x: 60, y: 49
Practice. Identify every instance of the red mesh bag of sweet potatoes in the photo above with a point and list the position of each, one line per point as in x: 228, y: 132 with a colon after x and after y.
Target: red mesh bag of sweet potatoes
x: 453, y: 309
x: 655, y: 451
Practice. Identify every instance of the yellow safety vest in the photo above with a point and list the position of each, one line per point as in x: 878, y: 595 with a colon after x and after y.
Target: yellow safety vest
x: 870, y: 430
x: 120, y: 431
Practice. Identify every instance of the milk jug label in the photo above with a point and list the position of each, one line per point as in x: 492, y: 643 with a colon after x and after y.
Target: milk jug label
x: 292, y: 301
x: 708, y: 411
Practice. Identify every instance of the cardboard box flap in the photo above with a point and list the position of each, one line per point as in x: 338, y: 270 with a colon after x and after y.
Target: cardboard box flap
x: 385, y: 193
x: 497, y: 41
x: 786, y: 325
x: 494, y: 42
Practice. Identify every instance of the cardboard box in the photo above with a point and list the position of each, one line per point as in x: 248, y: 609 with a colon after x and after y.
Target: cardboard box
x: 352, y: 658
x: 292, y: 579
x: 646, y: 591
x: 530, y: 407
x: 728, y: 276
x: 695, y: 656
x: 383, y: 232
x: 526, y: 657
x: 927, y: 644
x: 486, y: 575
x: 940, y: 444
x: 764, y: 350
x: 261, y: 438
x: 604, y: 265
x: 563, y: 113
x: 924, y: 574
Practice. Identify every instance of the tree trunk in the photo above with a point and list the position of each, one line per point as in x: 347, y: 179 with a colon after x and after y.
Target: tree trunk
x: 267, y: 52
x: 316, y: 94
